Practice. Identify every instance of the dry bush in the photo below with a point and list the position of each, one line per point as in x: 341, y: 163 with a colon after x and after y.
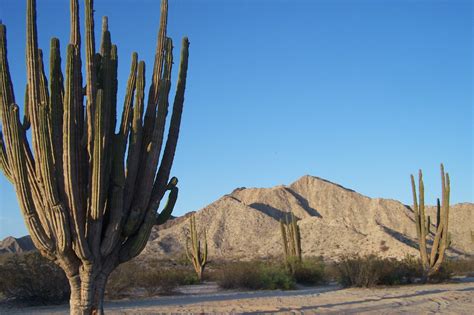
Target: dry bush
x: 31, y: 279
x: 462, y: 267
x: 131, y: 277
x: 310, y: 271
x: 371, y: 270
x: 123, y: 280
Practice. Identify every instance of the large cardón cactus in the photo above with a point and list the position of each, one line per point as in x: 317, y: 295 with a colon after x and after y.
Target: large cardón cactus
x: 89, y: 194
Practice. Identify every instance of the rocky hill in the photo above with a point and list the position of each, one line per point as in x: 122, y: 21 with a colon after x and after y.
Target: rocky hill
x: 16, y: 245
x: 334, y: 221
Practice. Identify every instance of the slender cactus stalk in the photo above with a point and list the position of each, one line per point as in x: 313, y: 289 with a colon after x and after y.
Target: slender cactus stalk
x: 291, y: 239
x: 431, y: 259
x: 196, y: 255
x: 90, y: 196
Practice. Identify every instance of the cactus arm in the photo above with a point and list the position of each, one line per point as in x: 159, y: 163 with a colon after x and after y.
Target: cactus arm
x: 75, y: 34
x: 136, y: 133
x: 440, y: 242
x: 416, y: 209
x: 422, y: 221
x: 152, y: 148
x: 26, y: 110
x: 70, y: 159
x: 115, y: 202
x: 204, y: 256
x: 4, y: 167
x: 116, y: 205
x: 13, y: 129
x: 154, y: 89
x: 46, y: 158
x: 128, y: 103
x: 91, y: 79
x: 446, y: 193
x: 165, y: 214
x: 284, y: 240
x: 7, y: 97
x: 56, y: 107
x: 136, y: 242
x: 95, y: 213
x: 428, y: 225
x: 149, y: 124
x: 188, y: 253
x: 173, y: 133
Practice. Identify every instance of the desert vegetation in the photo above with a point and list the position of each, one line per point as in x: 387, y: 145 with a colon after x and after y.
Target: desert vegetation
x: 291, y: 240
x: 433, y: 259
x: 89, y: 195
x: 196, y: 253
x: 90, y: 188
x: 30, y: 279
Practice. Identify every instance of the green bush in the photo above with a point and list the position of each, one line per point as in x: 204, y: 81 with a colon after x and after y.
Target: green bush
x: 31, y: 279
x: 255, y: 276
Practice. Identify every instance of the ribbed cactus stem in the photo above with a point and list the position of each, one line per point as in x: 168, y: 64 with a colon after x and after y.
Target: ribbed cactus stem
x: 291, y: 239
x: 90, y: 196
x: 432, y: 259
x: 196, y: 255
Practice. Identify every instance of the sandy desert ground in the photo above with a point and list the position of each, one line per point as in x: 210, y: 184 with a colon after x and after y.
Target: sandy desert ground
x: 451, y: 298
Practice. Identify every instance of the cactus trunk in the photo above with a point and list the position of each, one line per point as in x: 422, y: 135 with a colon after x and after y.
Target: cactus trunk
x: 76, y: 184
x: 291, y: 239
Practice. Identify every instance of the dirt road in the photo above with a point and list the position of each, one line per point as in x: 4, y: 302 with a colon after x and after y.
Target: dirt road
x: 453, y: 298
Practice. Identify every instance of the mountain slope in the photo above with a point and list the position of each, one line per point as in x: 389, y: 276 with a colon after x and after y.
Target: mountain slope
x: 16, y: 245
x: 334, y: 221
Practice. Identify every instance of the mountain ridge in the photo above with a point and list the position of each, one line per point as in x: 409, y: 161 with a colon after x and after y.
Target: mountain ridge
x: 334, y: 221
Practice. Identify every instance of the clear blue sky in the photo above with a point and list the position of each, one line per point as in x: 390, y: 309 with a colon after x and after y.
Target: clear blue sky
x: 361, y: 93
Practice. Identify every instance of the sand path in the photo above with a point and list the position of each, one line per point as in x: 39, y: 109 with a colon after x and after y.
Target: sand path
x: 452, y: 298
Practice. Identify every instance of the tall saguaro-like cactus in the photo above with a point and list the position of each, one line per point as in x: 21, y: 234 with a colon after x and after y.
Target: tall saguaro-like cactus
x: 89, y: 194
x: 291, y: 238
x: 431, y: 260
x: 196, y: 255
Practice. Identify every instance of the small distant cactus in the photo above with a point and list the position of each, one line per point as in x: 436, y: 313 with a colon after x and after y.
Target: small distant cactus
x: 196, y: 255
x: 432, y: 260
x: 291, y: 238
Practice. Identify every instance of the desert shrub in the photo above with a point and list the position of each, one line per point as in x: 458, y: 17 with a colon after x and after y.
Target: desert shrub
x: 164, y: 281
x: 123, y: 279
x: 159, y: 281
x: 444, y: 273
x: 309, y: 272
x: 255, y: 276
x: 32, y: 279
x: 154, y: 280
x: 359, y: 271
x: 461, y: 267
x: 371, y: 270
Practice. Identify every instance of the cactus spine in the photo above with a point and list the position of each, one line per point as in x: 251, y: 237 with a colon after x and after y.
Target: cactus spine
x: 89, y: 195
x: 291, y: 239
x: 432, y: 260
x: 196, y: 255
